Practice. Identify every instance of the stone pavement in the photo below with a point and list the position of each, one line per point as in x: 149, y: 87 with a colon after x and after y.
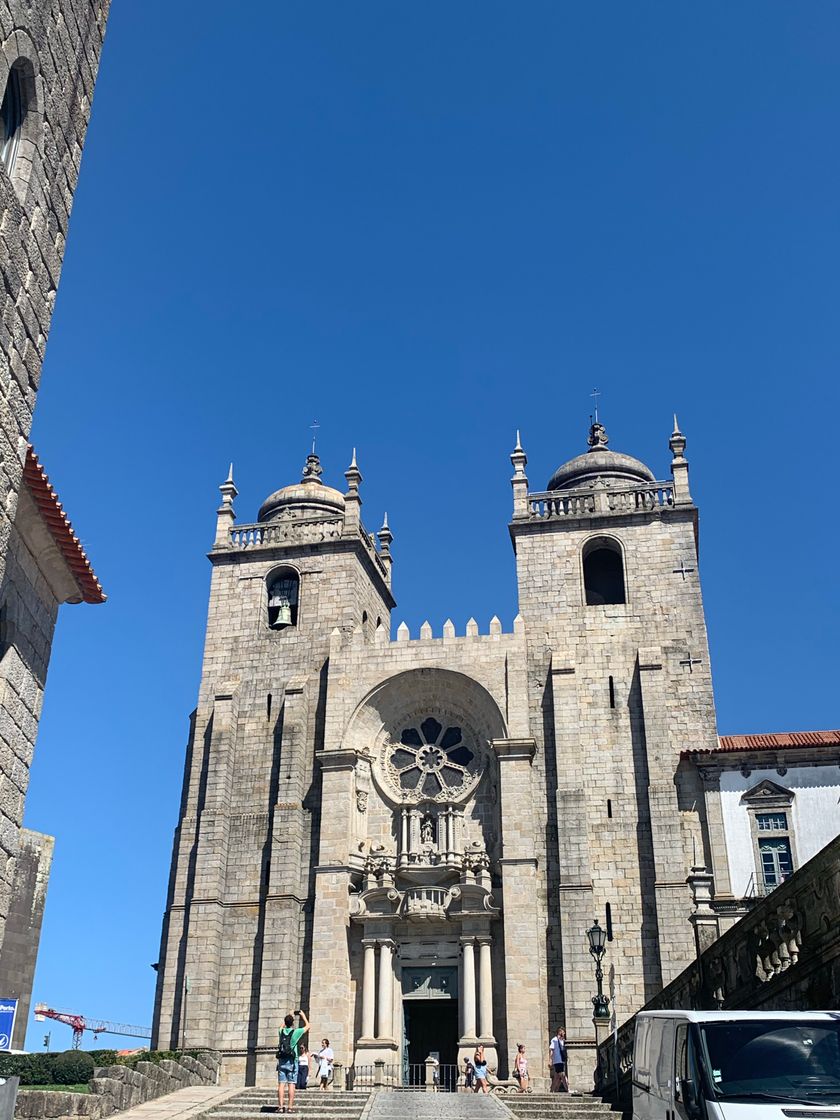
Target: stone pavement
x: 182, y: 1104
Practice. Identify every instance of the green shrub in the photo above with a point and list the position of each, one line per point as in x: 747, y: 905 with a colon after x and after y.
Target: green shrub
x: 32, y: 1069
x: 103, y: 1057
x: 73, y: 1067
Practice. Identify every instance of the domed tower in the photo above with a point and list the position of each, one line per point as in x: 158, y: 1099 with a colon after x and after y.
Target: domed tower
x: 237, y: 928
x: 609, y: 591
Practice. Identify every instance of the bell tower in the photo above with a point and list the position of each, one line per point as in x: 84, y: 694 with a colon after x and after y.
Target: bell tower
x: 618, y: 670
x: 238, y: 923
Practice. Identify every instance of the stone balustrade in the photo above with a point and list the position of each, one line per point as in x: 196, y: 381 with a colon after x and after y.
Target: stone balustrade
x: 300, y: 530
x: 597, y: 501
x: 782, y: 956
x: 426, y: 903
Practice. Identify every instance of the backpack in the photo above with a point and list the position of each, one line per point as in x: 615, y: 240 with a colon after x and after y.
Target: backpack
x: 285, y: 1051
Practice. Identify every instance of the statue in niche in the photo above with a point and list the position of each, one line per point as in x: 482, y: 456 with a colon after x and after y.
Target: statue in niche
x: 427, y: 831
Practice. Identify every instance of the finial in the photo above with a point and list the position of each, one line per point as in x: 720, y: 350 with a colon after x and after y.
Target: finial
x: 228, y: 489
x: 353, y: 476
x: 518, y: 442
x: 598, y: 437
x: 314, y: 426
x: 385, y: 535
x: 595, y: 394
x: 312, y: 470
x: 677, y: 441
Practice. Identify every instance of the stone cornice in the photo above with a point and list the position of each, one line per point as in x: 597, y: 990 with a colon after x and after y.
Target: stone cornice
x: 514, y: 750
x: 342, y: 759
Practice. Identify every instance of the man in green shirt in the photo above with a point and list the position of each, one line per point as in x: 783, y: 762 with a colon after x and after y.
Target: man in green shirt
x: 287, y: 1058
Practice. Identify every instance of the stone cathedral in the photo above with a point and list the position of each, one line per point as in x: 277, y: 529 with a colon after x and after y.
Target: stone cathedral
x: 409, y: 837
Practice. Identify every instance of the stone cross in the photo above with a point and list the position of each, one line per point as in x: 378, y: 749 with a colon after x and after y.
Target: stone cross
x: 683, y: 570
x: 690, y: 662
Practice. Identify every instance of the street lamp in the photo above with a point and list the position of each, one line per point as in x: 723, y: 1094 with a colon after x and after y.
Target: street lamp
x: 598, y: 947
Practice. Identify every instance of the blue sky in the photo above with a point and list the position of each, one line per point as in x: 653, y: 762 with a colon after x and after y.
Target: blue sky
x: 424, y: 225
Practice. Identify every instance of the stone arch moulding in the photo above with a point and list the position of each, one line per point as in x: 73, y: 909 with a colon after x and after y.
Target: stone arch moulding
x: 609, y: 542
x: 439, y: 724
x: 19, y: 52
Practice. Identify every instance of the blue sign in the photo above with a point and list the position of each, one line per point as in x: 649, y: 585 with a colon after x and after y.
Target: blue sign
x: 8, y: 1011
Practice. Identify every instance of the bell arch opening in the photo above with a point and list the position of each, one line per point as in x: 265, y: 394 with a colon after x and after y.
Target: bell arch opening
x: 603, y: 572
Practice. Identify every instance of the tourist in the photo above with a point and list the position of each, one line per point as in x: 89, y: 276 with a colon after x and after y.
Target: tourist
x: 557, y: 1059
x: 325, y: 1063
x: 287, y: 1058
x: 303, y: 1067
x: 469, y: 1074
x: 520, y: 1068
x: 480, y: 1067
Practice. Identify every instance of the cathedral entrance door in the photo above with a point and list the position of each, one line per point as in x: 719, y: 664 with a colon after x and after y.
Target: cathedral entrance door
x: 431, y: 1028
x: 430, y: 1023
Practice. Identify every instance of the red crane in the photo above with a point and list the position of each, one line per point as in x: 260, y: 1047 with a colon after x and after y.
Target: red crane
x: 82, y: 1023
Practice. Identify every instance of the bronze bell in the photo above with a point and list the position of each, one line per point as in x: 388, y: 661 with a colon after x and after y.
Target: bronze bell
x: 284, y: 614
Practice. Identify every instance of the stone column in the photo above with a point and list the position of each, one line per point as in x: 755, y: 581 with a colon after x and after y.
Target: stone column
x: 468, y: 1010
x: 369, y: 989
x: 386, y: 990
x: 485, y: 990
x: 403, y: 837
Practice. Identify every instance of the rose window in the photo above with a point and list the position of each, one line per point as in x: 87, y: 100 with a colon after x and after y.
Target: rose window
x: 431, y: 761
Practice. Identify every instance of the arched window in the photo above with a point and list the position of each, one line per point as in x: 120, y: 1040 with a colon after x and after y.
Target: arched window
x: 12, y: 112
x: 603, y: 572
x: 283, y: 588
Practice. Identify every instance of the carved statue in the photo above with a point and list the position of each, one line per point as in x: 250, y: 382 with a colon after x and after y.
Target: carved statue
x: 427, y: 831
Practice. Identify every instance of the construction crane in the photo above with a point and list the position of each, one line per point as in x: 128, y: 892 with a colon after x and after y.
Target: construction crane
x: 82, y: 1023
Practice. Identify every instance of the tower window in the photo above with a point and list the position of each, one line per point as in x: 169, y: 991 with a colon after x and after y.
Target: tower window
x: 603, y: 573
x: 12, y: 112
x: 283, y: 589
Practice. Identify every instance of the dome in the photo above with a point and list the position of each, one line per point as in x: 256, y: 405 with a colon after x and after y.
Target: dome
x: 307, y: 497
x: 599, y: 463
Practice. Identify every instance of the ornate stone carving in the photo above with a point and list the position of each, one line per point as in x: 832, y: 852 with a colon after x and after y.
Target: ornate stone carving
x: 362, y: 800
x: 429, y: 760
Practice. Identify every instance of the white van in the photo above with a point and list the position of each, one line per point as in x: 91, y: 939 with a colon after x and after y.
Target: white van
x: 736, y: 1065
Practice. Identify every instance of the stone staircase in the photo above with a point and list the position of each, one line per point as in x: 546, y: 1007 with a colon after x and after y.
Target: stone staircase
x: 557, y: 1106
x: 396, y: 1105
x: 310, y: 1104
x: 389, y: 1104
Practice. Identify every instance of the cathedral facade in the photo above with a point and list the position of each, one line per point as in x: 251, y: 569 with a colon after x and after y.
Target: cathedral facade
x: 410, y: 837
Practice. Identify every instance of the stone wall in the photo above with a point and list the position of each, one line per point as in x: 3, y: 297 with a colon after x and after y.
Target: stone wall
x: 783, y: 956
x: 54, y: 48
x: 23, y: 927
x: 116, y: 1088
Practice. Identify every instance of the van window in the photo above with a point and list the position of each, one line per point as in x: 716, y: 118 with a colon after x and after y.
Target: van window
x: 774, y: 1058
x: 641, y: 1050
x: 663, y: 1053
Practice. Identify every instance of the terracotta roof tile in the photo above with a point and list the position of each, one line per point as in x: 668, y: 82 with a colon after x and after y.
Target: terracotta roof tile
x: 60, y: 528
x: 773, y: 741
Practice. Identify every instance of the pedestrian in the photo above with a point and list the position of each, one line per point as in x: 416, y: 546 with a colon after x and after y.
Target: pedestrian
x: 287, y: 1058
x: 469, y: 1074
x: 520, y: 1068
x: 480, y: 1067
x: 325, y: 1063
x: 303, y: 1067
x: 557, y: 1061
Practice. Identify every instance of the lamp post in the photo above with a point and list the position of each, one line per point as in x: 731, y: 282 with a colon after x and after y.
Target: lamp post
x: 598, y: 947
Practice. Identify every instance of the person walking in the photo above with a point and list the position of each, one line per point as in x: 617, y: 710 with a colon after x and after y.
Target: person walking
x: 557, y: 1061
x: 480, y: 1068
x: 520, y: 1068
x: 287, y: 1058
x: 469, y: 1074
x: 325, y: 1063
